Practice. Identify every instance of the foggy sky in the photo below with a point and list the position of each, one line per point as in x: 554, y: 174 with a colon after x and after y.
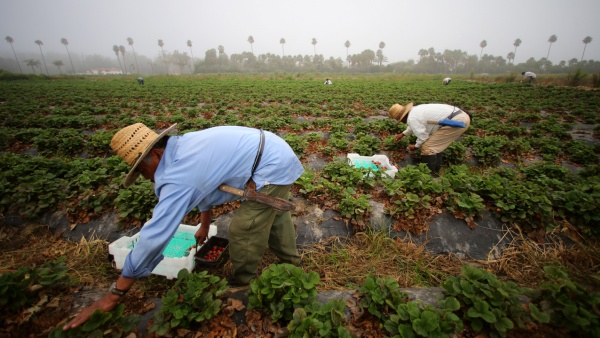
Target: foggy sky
x: 405, y: 26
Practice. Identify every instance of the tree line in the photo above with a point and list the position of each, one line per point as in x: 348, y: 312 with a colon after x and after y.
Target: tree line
x: 368, y: 61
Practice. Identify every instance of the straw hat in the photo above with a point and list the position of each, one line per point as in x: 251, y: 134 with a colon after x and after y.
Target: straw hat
x: 133, y: 143
x: 398, y: 112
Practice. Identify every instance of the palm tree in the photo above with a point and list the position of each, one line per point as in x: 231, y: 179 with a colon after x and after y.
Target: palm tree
x: 347, y: 45
x: 33, y: 63
x: 483, y: 44
x: 189, y: 44
x: 380, y: 55
x: 517, y: 43
x: 511, y: 56
x: 40, y: 43
x: 66, y: 43
x: 58, y: 63
x: 587, y: 40
x: 161, y: 44
x: 10, y: 40
x: 130, y: 42
x: 251, y: 41
x: 314, y: 43
x: 116, y: 50
x: 282, y: 42
x: 122, y: 50
x: 552, y: 39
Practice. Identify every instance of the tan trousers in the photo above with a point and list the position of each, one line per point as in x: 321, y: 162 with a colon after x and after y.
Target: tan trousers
x: 441, y: 139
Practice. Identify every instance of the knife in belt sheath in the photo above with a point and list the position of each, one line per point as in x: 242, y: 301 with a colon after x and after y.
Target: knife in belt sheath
x: 252, y: 195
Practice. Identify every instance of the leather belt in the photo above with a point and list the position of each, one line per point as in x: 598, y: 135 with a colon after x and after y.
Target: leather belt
x: 261, y: 146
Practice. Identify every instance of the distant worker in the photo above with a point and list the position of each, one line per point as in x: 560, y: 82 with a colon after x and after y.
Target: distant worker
x: 432, y: 137
x: 328, y: 82
x: 446, y: 81
x: 528, y: 75
x: 140, y: 80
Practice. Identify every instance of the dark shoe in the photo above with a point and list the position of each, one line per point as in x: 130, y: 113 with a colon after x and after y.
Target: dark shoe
x: 234, y: 283
x: 431, y: 161
x: 440, y: 161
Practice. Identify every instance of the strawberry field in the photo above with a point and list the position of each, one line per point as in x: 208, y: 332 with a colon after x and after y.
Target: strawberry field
x: 531, y: 156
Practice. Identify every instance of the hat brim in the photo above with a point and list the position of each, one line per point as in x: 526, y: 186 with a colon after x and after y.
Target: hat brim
x: 406, y: 111
x: 132, y: 175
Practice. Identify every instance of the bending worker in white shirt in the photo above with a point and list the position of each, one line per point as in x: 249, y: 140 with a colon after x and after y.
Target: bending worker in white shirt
x: 432, y: 138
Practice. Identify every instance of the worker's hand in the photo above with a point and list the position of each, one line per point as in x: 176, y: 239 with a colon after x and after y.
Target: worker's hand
x: 411, y: 147
x: 106, y: 303
x: 398, y: 137
x: 201, y: 235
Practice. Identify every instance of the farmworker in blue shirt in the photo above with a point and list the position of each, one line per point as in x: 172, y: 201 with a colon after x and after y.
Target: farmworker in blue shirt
x: 432, y: 138
x: 187, y: 171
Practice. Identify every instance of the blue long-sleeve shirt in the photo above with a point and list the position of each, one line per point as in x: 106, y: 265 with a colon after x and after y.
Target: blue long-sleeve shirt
x: 192, y: 168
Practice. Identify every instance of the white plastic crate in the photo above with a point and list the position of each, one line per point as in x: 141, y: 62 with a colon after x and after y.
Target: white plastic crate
x: 369, y: 162
x: 169, y: 266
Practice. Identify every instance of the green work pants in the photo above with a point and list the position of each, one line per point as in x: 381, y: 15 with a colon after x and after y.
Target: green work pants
x: 256, y: 226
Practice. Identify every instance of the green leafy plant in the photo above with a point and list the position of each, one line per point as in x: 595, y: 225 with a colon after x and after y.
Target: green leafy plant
x: 366, y: 145
x: 136, y: 202
x: 282, y: 288
x: 319, y: 320
x: 193, y: 299
x: 568, y: 304
x: 349, y: 176
x: 20, y: 288
x: 355, y: 207
x: 100, y: 324
x: 297, y: 142
x: 380, y: 295
x: 487, y: 303
x: 455, y: 153
x: 309, y: 183
x: 488, y: 150
x: 579, y: 204
x: 414, y: 319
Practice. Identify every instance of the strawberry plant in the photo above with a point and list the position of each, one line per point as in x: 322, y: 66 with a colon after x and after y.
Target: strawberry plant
x: 282, y: 288
x: 455, y: 153
x: 309, y: 183
x: 297, y: 143
x: 488, y: 150
x: 569, y: 305
x: 356, y: 208
x: 467, y: 204
x: 578, y: 152
x: 366, y: 145
x: 319, y: 320
x: 20, y: 288
x: 136, y: 202
x: 341, y: 172
x: 487, y: 303
x: 339, y: 141
x: 193, y: 299
x: 100, y: 324
x: 380, y: 296
x: 414, y: 319
x: 579, y: 205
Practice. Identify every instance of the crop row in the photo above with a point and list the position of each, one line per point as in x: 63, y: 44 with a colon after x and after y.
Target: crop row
x: 55, y: 134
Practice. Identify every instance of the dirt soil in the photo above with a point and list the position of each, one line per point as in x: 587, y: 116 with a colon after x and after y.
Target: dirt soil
x: 33, y: 245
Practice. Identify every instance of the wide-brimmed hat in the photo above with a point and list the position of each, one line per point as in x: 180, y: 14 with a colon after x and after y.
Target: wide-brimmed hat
x: 133, y: 143
x: 398, y: 112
